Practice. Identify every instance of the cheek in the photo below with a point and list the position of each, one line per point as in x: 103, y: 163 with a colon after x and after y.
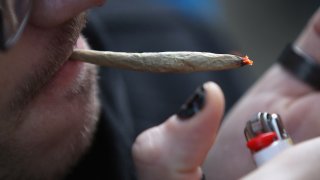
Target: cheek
x: 18, y: 65
x: 57, y: 132
x: 28, y: 66
x: 51, y: 120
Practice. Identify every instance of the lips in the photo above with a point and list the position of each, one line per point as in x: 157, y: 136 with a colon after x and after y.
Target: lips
x: 52, y: 14
x: 68, y: 75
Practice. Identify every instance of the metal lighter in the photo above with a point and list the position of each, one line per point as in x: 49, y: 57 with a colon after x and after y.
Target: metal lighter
x: 266, y: 137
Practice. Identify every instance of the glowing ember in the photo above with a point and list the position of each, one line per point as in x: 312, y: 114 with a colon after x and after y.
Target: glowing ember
x: 246, y: 61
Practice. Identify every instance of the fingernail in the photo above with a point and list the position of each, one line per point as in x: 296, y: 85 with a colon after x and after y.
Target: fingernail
x: 193, y: 105
x: 203, y: 177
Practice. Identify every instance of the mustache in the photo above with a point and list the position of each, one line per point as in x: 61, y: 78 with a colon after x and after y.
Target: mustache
x: 56, y: 53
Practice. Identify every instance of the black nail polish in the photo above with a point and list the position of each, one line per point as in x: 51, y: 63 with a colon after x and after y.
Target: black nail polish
x: 203, y: 177
x: 193, y: 105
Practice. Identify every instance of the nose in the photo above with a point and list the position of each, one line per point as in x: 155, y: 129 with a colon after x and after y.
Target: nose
x: 50, y: 13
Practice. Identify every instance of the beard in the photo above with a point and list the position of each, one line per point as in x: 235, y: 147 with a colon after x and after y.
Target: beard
x: 23, y: 158
x: 55, y: 54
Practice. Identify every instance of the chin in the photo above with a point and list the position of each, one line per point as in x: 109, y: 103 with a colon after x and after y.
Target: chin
x: 52, y: 105
x: 58, y: 128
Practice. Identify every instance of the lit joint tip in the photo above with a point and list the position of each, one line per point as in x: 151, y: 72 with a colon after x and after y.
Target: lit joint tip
x: 246, y: 61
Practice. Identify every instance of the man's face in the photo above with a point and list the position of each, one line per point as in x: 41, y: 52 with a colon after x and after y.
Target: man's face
x: 48, y: 104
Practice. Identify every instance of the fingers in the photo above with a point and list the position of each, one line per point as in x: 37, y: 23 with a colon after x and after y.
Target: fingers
x: 309, y: 40
x: 276, y: 92
x: 197, y: 133
x: 176, y: 148
x: 309, y: 43
x: 298, y: 162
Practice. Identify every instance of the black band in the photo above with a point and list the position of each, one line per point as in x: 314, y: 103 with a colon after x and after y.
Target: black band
x: 300, y: 65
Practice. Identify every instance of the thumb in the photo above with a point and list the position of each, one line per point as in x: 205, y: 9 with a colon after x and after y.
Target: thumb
x: 177, y: 148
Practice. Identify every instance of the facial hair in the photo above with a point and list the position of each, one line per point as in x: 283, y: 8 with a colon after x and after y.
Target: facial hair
x: 16, y: 163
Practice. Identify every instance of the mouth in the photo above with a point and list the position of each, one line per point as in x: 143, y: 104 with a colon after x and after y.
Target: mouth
x: 49, y: 75
x: 69, y: 73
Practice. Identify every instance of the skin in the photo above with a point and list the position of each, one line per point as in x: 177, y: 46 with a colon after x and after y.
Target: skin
x: 277, y: 92
x: 49, y: 108
x: 175, y: 149
x: 290, y: 163
x: 47, y: 112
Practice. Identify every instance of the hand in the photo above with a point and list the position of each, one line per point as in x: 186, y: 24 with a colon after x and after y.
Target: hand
x: 276, y: 92
x: 290, y: 163
x: 177, y: 148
